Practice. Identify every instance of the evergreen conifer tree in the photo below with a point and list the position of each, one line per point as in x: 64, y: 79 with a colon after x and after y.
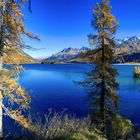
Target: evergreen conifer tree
x: 101, y: 80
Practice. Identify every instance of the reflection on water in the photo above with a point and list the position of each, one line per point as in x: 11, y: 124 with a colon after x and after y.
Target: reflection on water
x: 53, y: 87
x: 137, y: 80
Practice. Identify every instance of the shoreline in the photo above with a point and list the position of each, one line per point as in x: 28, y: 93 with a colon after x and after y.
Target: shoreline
x: 137, y: 64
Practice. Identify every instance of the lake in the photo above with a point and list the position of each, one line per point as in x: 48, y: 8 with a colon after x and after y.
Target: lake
x: 53, y: 86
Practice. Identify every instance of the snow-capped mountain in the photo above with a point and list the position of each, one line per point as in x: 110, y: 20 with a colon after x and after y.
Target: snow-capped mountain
x: 67, y: 54
x: 128, y: 40
x: 127, y: 50
x: 128, y: 45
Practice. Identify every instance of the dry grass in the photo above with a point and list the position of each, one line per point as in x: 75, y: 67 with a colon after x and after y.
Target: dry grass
x: 137, y: 70
x: 61, y: 126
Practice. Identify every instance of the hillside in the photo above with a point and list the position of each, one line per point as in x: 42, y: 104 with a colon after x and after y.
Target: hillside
x: 128, y: 58
x: 128, y: 45
x: 66, y: 55
x: 17, y: 56
x: 127, y: 50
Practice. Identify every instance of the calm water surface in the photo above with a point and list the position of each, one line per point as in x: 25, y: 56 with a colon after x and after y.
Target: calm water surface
x: 52, y: 86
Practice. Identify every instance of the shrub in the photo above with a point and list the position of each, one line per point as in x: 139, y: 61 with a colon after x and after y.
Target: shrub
x: 64, y: 127
x: 121, y: 128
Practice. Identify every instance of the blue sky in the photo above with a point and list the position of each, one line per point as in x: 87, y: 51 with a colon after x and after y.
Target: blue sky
x: 66, y: 23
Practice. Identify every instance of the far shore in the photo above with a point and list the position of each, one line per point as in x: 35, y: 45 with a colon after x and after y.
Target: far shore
x: 127, y: 64
x: 138, y: 64
x: 133, y: 63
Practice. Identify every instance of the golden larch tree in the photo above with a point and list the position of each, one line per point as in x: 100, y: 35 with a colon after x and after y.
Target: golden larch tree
x: 13, y: 99
x: 101, y: 80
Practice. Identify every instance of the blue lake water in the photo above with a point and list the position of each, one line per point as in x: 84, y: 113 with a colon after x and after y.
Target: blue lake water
x: 52, y: 86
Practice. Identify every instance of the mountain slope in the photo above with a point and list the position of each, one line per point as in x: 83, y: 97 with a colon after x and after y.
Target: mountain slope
x: 128, y: 45
x: 17, y: 56
x: 66, y: 55
x: 127, y: 50
x: 128, y: 58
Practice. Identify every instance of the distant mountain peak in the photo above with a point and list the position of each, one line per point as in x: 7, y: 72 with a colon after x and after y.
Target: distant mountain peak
x: 128, y: 45
x: 69, y: 49
x: 128, y: 40
x: 134, y: 38
x: 84, y: 48
x: 67, y: 54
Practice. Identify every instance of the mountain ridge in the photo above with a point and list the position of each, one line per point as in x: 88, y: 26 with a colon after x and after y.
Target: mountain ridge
x: 126, y: 49
x: 67, y: 54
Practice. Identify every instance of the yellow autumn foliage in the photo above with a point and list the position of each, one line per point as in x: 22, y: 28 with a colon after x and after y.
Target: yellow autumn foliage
x: 15, y: 98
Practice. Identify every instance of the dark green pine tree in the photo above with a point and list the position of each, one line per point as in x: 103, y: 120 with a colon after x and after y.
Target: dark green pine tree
x: 101, y: 81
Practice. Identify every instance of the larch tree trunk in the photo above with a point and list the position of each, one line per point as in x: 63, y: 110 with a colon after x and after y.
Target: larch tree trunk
x: 1, y: 64
x: 102, y: 109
